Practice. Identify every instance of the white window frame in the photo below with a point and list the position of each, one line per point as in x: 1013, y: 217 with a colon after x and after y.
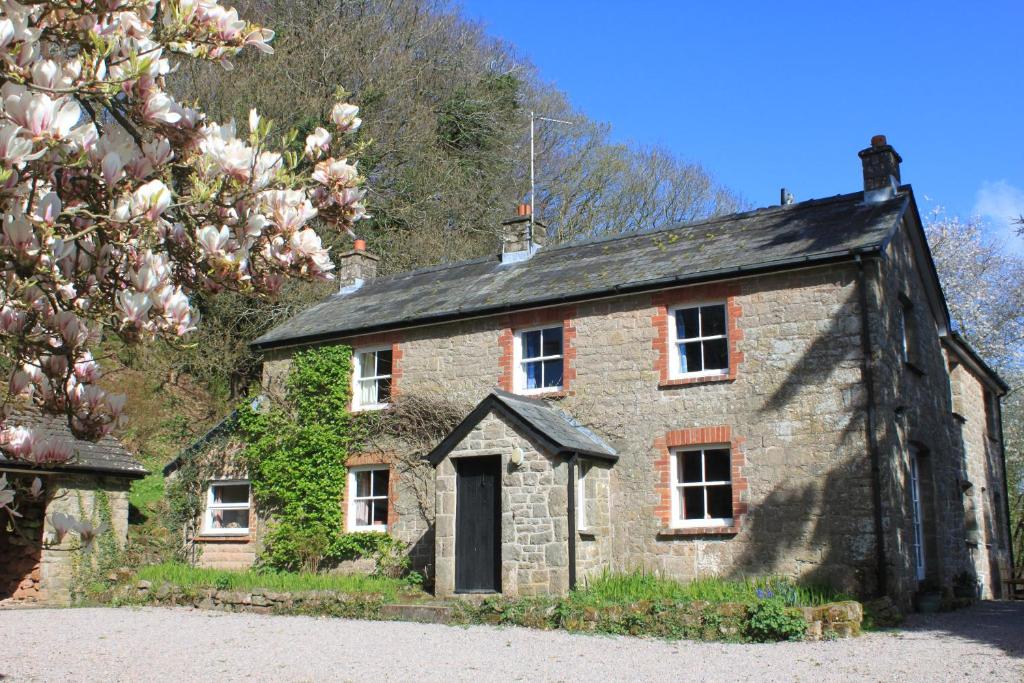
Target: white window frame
x: 358, y: 379
x: 208, y: 528
x: 350, y: 518
x: 917, y: 520
x: 520, y: 362
x: 675, y: 343
x: 678, y: 522
x: 582, y: 470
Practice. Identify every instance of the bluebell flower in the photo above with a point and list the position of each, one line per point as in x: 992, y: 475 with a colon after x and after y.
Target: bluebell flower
x: 760, y: 594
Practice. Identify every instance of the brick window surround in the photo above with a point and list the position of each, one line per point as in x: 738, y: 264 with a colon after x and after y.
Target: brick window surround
x: 506, y: 342
x: 377, y: 340
x: 383, y: 460
x: 698, y: 436
x: 672, y: 298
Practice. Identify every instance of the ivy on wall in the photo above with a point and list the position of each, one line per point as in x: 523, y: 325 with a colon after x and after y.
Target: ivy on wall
x: 295, y: 453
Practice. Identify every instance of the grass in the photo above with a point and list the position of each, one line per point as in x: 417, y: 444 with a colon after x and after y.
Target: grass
x: 194, y: 577
x: 623, y: 588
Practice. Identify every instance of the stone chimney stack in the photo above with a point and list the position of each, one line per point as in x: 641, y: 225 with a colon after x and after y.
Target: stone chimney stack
x: 356, y: 267
x: 521, y: 237
x: 881, y: 170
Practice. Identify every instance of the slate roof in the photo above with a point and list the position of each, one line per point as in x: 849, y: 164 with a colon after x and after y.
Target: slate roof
x: 815, y: 231
x: 557, y: 431
x: 106, y: 456
x: 223, y: 427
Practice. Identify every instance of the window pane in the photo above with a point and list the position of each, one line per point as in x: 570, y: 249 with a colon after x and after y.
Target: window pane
x: 716, y: 354
x: 231, y: 493
x: 691, y: 357
x: 712, y: 321
x: 363, y: 509
x: 384, y: 362
x: 531, y: 344
x: 367, y: 391
x: 687, y: 323
x: 720, y: 502
x: 380, y: 482
x: 552, y: 345
x: 693, y: 502
x: 553, y: 373
x: 380, y: 511
x: 532, y: 375
x: 690, y: 470
x: 362, y: 483
x: 367, y: 364
x: 716, y: 464
x: 230, y: 519
x: 384, y: 390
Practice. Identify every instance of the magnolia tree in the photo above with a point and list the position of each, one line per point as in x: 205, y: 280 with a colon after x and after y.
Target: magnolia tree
x: 120, y: 203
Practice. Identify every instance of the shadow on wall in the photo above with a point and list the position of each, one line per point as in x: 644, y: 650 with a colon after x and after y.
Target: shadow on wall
x: 816, y: 523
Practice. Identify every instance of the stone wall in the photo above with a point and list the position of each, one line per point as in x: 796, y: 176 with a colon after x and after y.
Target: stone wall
x: 984, y: 506
x: 914, y: 410
x: 593, y: 540
x: 76, y: 495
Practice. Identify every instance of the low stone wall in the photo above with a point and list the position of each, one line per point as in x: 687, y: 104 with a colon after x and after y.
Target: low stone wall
x: 365, y: 606
x: 835, y: 620
x: 699, y: 620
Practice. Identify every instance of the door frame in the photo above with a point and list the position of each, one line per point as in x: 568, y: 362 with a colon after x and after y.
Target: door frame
x: 497, y: 467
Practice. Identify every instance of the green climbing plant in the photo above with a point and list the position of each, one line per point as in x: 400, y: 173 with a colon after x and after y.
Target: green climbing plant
x: 296, y: 453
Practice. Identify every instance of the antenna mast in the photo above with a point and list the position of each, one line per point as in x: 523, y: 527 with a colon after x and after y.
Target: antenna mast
x: 534, y: 118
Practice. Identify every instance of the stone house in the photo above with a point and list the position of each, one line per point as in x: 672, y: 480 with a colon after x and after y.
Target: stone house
x: 37, y: 564
x: 771, y: 392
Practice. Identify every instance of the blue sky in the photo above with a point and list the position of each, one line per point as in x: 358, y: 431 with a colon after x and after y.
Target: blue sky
x: 772, y: 94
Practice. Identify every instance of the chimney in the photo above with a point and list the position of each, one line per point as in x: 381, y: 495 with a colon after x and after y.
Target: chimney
x: 355, y: 268
x: 521, y: 237
x: 881, y: 170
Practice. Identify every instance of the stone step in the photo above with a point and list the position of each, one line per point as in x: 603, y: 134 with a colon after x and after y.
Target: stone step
x: 426, y: 614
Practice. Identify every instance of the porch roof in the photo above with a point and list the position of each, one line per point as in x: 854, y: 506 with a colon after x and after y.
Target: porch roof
x: 559, y: 432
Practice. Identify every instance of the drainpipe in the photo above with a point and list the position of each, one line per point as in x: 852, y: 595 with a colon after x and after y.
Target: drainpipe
x: 881, y: 575
x: 572, y: 520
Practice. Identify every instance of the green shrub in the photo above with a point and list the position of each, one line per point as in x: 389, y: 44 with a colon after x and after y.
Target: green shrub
x: 770, y: 620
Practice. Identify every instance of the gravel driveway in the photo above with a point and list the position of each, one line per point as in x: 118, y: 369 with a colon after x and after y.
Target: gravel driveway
x: 181, y: 644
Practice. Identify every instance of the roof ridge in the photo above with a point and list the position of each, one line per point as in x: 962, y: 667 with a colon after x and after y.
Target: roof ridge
x: 712, y: 220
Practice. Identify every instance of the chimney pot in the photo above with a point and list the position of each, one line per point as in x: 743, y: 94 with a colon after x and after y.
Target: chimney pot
x: 878, y: 141
x: 360, y: 245
x: 523, y: 209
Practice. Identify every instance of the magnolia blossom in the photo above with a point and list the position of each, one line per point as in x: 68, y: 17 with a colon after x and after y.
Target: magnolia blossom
x: 344, y: 116
x: 317, y: 142
x: 120, y: 203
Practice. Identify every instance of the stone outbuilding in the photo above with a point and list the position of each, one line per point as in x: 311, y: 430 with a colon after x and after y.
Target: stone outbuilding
x: 36, y: 564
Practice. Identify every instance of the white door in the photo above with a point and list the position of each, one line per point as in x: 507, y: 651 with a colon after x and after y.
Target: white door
x: 915, y: 495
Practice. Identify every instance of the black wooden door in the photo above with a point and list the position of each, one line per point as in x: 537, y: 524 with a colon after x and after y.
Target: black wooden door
x: 478, y: 525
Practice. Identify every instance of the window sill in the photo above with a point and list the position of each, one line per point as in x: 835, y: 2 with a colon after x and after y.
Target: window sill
x: 731, y: 530
x: 700, y: 379
x: 371, y: 407
x: 914, y: 368
x: 223, y: 538
x: 533, y: 393
x: 367, y: 529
